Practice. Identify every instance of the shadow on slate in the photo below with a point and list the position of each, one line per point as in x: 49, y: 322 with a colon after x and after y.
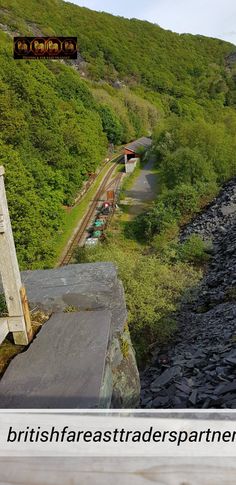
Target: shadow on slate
x: 64, y: 366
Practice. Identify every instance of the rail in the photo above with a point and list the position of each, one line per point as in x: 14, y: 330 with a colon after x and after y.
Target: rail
x: 77, y: 238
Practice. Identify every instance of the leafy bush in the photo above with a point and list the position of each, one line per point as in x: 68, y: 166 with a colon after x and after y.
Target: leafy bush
x: 194, y: 250
x: 185, y: 166
x: 152, y: 288
x: 153, y: 221
x: 182, y: 200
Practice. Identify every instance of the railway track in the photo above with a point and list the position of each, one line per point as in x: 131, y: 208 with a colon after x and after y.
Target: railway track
x: 79, y: 235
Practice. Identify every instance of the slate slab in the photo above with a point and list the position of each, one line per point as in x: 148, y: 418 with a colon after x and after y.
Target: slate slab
x: 87, y: 286
x: 228, y: 210
x: 64, y: 367
x: 224, y: 388
x: 166, y: 377
x: 92, y: 286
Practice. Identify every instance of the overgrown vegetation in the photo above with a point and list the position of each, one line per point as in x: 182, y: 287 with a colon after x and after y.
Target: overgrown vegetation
x: 156, y: 272
x: 153, y: 286
x: 194, y: 158
x: 55, y: 126
x: 53, y: 134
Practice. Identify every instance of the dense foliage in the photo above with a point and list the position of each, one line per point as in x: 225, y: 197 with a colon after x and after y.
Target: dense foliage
x: 57, y: 119
x: 50, y: 139
x: 141, y: 52
x: 53, y: 133
x: 152, y: 287
x: 194, y: 158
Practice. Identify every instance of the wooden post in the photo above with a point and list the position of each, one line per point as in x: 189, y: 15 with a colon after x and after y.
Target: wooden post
x: 18, y: 316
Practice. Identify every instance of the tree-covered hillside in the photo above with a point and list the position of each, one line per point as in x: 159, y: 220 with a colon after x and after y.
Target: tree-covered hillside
x: 138, y: 51
x: 57, y: 119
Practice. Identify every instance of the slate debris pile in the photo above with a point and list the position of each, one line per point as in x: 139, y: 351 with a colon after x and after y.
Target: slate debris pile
x: 214, y: 221
x: 199, y: 370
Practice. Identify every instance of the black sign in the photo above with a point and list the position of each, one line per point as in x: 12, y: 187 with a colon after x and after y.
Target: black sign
x: 45, y: 47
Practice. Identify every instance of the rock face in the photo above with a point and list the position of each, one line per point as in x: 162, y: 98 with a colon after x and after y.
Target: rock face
x: 231, y: 59
x: 126, y: 382
x: 199, y: 371
x: 89, y: 299
x: 216, y: 220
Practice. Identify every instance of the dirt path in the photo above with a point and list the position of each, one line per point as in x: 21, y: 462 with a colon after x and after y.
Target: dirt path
x: 143, y: 191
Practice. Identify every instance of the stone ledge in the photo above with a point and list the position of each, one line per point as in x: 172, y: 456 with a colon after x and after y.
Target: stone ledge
x: 89, y: 288
x: 85, y: 286
x: 64, y: 367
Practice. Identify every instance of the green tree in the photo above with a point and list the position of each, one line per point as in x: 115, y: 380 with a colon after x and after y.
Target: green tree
x: 111, y: 124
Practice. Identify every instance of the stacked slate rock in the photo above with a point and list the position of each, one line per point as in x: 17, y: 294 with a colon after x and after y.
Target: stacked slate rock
x: 214, y: 221
x: 199, y: 370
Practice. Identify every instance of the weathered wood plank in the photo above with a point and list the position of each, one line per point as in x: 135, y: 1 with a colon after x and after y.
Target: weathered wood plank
x: 99, y: 471
x: 14, y: 324
x: 4, y: 329
x: 26, y: 312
